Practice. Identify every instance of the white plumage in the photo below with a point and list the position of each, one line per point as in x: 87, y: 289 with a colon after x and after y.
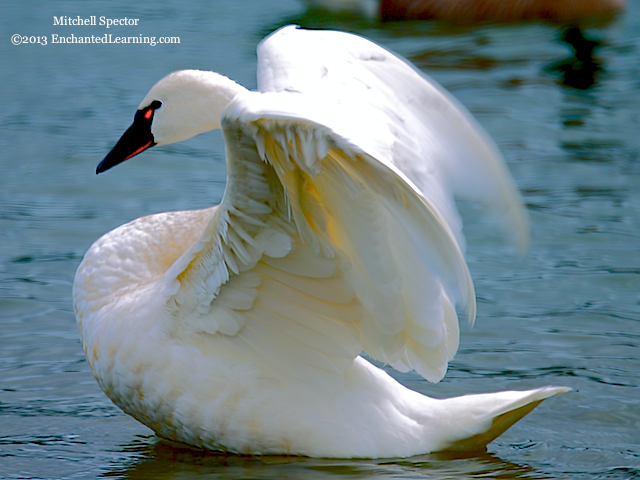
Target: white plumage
x: 239, y: 327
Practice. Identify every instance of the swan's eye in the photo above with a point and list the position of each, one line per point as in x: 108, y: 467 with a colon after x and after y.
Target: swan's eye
x: 148, y: 113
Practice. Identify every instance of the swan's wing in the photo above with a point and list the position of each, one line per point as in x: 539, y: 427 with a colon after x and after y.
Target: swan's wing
x: 419, y: 127
x: 318, y: 251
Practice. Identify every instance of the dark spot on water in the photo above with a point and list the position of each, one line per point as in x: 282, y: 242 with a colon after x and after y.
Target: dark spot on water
x: 583, y: 69
x: 61, y: 257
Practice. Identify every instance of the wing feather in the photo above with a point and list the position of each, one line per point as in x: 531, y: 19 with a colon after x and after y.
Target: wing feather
x: 337, y: 232
x: 334, y: 266
x: 410, y: 120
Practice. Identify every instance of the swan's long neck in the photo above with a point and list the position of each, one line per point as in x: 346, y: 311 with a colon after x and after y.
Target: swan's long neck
x: 217, y: 92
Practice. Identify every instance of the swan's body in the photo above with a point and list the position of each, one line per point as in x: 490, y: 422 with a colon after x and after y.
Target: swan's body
x: 563, y: 11
x: 239, y: 327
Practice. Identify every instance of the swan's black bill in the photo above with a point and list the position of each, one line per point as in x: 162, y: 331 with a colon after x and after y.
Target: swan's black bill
x: 134, y: 141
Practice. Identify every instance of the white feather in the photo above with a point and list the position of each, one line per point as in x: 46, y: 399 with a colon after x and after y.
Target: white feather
x: 239, y: 327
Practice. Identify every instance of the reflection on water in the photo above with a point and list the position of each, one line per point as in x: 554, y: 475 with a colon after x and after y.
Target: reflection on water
x: 582, y: 69
x: 566, y: 313
x: 161, y: 460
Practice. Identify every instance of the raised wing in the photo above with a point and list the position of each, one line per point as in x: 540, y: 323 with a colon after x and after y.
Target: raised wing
x: 417, y: 125
x: 318, y: 251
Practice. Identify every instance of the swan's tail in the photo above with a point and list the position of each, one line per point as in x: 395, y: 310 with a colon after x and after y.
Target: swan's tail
x: 481, y: 418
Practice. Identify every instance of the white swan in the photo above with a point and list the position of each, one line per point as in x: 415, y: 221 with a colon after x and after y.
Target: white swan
x: 468, y: 11
x: 239, y: 327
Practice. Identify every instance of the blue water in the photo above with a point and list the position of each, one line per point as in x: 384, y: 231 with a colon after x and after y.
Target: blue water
x: 567, y: 313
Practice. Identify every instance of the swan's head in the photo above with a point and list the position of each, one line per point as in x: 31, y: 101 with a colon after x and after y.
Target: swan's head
x: 180, y: 106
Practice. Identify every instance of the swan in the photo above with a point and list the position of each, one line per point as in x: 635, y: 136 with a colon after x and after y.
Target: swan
x: 467, y: 11
x: 240, y: 327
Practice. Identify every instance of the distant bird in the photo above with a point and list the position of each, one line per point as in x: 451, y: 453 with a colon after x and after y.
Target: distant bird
x: 240, y: 327
x: 468, y: 11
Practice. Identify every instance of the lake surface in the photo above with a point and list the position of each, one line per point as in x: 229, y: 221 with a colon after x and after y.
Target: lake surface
x: 568, y: 313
